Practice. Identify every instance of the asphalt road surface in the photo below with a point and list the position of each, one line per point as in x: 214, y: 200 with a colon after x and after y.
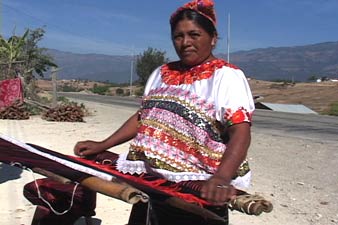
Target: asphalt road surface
x: 305, y: 126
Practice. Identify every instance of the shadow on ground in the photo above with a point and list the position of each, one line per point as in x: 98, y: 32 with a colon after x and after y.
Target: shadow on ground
x: 8, y: 173
x: 95, y: 221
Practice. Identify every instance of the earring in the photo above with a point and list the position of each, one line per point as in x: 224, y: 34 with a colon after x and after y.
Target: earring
x: 213, y: 43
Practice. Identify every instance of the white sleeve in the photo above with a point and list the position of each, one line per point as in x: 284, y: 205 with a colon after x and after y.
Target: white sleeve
x: 234, y: 101
x: 153, y: 79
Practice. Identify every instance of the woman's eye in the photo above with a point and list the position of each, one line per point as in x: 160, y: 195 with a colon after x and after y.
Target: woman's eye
x: 177, y: 36
x: 194, y: 35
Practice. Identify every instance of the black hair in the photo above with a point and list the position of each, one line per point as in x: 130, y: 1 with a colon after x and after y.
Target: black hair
x: 190, y: 14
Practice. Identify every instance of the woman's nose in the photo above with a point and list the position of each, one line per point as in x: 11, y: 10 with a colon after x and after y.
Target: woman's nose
x: 186, y: 41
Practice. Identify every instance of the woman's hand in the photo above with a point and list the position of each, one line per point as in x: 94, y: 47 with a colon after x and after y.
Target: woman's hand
x: 218, y: 191
x: 86, y: 148
x: 125, y: 133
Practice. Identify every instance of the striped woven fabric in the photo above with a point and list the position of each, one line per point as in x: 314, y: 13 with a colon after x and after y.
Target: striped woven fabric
x: 10, y: 91
x: 31, y: 156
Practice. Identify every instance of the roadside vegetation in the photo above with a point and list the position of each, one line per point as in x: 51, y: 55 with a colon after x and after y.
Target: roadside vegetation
x: 333, y: 109
x: 21, y: 57
x: 101, y: 90
x: 147, y: 62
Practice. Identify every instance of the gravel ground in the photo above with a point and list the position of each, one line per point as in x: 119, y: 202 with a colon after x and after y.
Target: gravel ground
x: 299, y: 176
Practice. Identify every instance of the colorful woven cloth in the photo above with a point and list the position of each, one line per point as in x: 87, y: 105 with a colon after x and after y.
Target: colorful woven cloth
x: 10, y: 91
x: 14, y: 152
x: 103, y: 165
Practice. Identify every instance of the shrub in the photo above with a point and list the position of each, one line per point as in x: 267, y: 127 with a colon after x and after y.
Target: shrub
x: 119, y: 91
x: 127, y: 92
x: 68, y: 88
x: 139, y: 91
x: 333, y: 110
x: 33, y: 109
x: 101, y: 90
x: 63, y: 99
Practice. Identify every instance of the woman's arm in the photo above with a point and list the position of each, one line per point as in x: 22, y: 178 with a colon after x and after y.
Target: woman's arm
x: 125, y: 133
x: 236, y: 151
x: 218, y: 189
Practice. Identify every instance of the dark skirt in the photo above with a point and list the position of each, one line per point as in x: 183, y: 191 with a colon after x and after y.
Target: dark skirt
x: 59, y: 196
x: 164, y: 214
x: 161, y: 213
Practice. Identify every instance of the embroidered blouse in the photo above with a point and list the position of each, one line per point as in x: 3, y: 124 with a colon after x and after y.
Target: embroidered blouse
x: 182, y: 111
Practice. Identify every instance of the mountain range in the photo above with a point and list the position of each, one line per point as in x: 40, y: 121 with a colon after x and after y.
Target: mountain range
x: 297, y: 63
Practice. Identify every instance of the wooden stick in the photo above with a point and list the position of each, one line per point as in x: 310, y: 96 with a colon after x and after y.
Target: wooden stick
x: 52, y: 175
x: 244, y: 202
x: 115, y: 189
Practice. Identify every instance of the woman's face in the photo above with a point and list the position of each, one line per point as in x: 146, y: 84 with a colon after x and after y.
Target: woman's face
x: 192, y: 43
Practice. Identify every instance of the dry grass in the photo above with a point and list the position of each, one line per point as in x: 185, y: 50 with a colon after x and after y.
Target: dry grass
x: 316, y: 96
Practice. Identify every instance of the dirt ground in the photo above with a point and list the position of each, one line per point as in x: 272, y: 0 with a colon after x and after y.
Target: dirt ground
x: 316, y: 96
x: 299, y: 176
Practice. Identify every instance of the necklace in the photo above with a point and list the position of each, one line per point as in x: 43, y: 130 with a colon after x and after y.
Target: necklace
x: 174, y: 74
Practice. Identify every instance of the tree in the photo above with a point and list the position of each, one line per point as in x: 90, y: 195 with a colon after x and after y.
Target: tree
x: 36, y: 62
x: 21, y: 56
x: 119, y: 91
x: 11, y: 55
x: 312, y: 78
x: 148, y: 62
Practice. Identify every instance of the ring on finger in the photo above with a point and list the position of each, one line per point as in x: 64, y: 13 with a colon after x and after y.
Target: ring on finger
x: 223, y: 186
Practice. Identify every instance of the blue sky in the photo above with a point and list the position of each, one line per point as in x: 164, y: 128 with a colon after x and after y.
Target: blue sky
x: 117, y: 27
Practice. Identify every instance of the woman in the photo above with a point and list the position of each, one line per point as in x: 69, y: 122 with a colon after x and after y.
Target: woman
x: 187, y: 108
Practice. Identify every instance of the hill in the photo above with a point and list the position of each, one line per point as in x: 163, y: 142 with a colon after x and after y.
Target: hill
x: 316, y: 96
x: 289, y: 63
x: 283, y: 63
x: 95, y: 67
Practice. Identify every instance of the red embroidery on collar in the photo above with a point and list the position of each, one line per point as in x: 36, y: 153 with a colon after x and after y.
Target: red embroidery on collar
x: 173, y: 74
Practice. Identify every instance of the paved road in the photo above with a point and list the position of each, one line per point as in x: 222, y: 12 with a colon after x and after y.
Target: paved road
x: 111, y: 100
x: 305, y: 126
